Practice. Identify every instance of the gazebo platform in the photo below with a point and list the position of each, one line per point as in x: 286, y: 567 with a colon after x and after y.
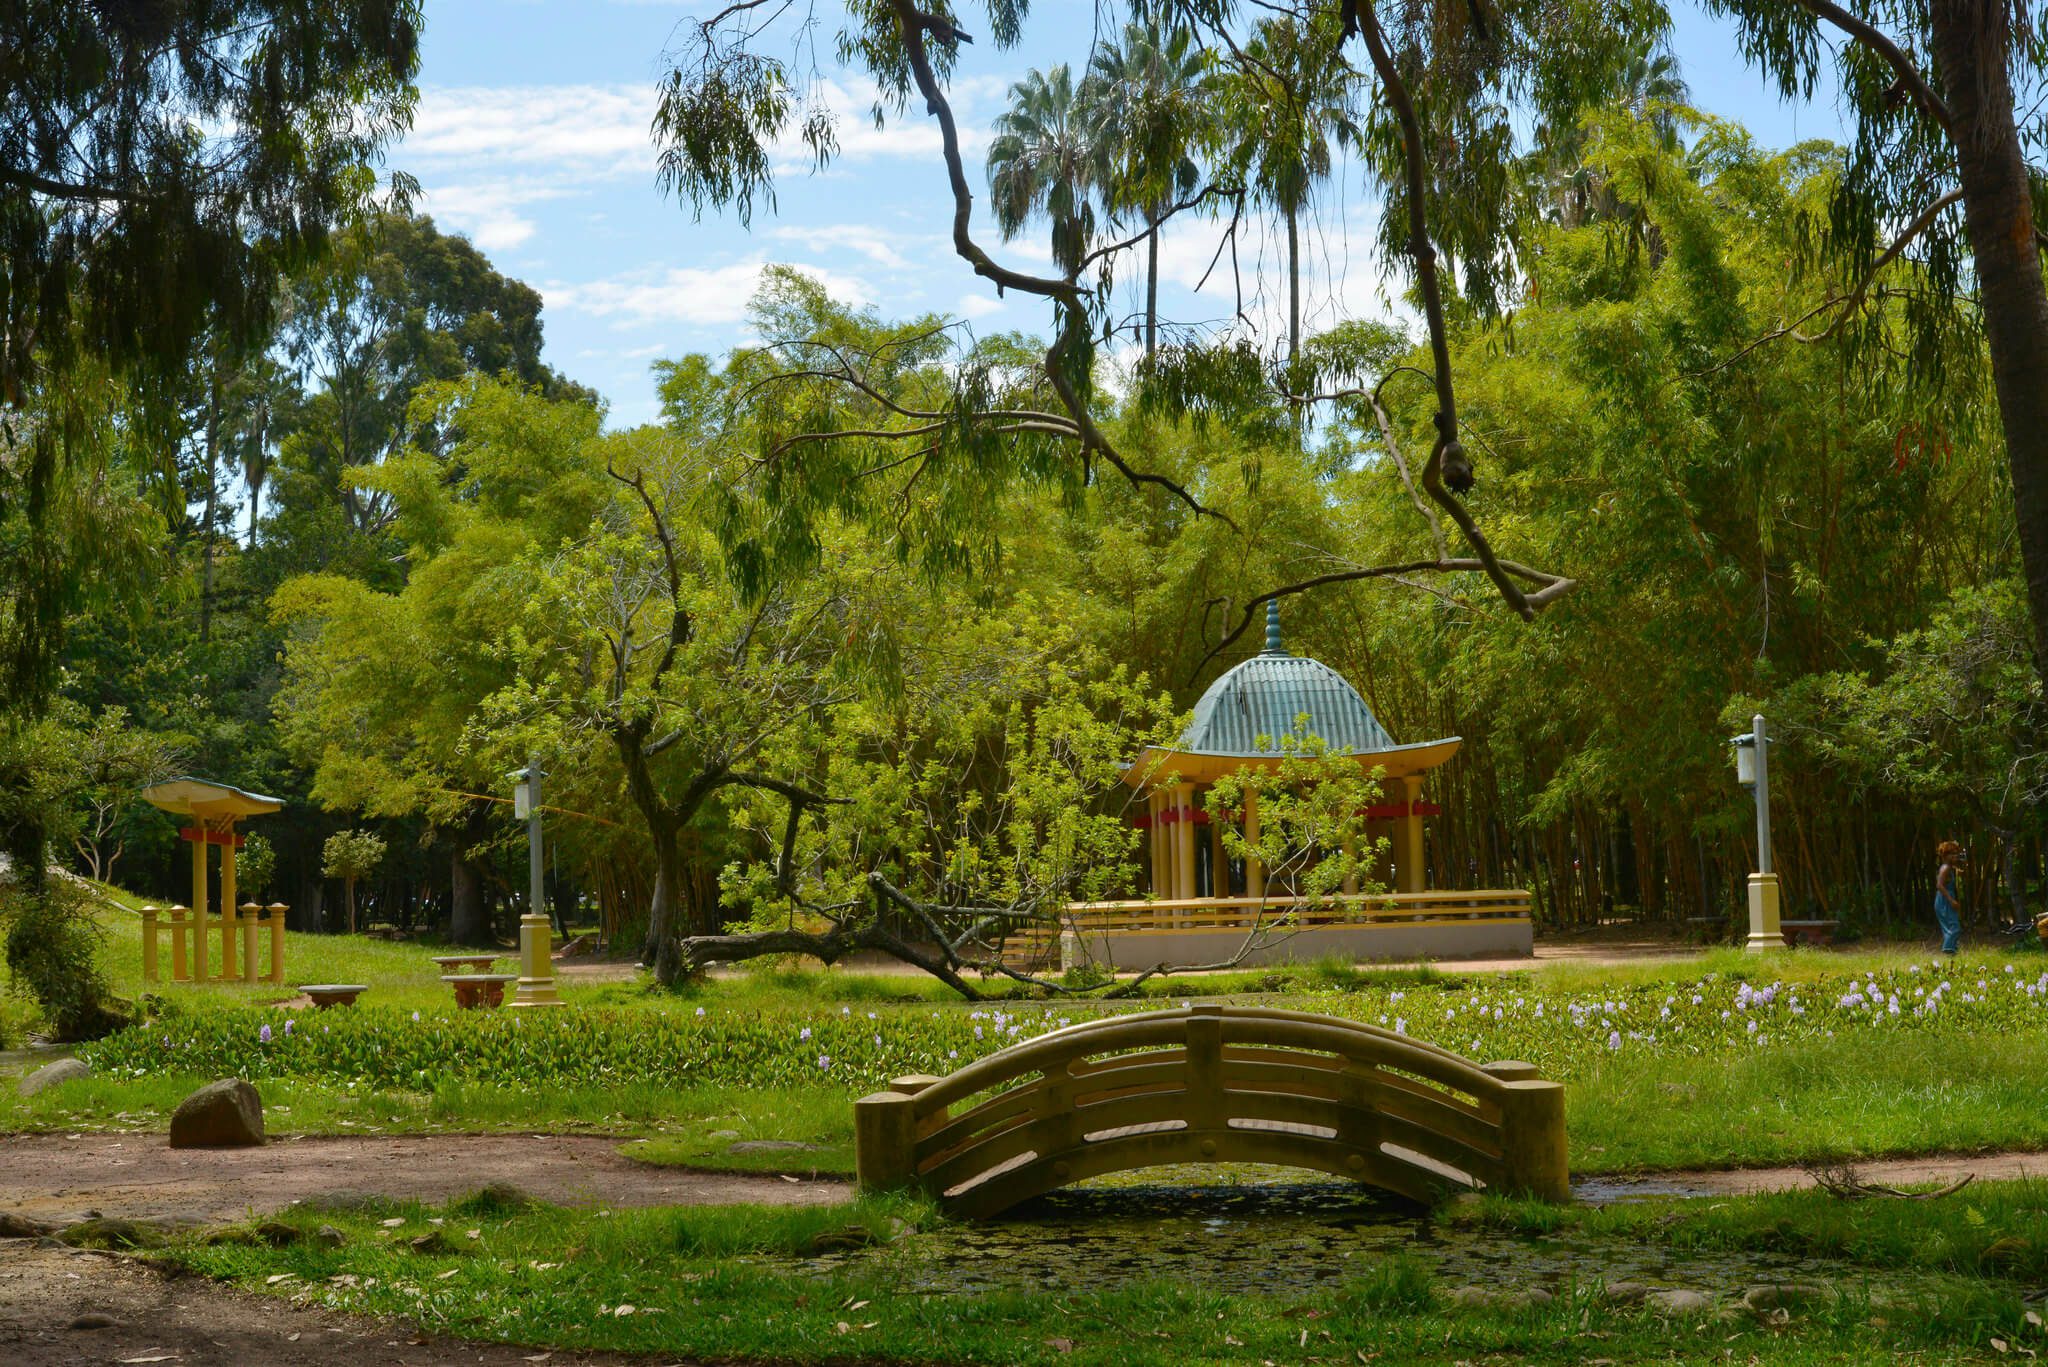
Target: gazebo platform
x: 1134, y: 936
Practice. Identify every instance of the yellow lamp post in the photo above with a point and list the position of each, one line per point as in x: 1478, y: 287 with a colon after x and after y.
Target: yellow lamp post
x: 1753, y: 771
x: 536, y: 966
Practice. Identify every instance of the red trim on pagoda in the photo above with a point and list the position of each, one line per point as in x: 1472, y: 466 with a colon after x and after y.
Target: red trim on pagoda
x: 210, y: 837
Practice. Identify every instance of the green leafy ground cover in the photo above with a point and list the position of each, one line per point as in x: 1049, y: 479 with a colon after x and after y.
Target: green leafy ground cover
x: 734, y: 1283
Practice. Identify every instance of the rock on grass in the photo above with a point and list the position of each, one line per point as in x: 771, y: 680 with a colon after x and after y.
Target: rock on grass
x: 227, y: 1114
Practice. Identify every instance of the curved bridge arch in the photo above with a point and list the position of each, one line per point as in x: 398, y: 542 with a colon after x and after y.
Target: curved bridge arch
x: 1215, y: 1084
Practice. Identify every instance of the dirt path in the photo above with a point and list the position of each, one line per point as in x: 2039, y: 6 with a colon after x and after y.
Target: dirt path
x: 150, y: 1318
x: 1889, y: 1172
x: 140, y: 1175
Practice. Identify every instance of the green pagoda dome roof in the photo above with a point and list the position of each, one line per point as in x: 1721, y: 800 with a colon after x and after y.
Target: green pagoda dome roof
x: 1268, y: 695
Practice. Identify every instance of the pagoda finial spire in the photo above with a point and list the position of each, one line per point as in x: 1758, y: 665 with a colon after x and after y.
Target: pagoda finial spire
x: 1273, y: 646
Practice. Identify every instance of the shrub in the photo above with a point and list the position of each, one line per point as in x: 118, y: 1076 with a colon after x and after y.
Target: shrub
x: 53, y: 946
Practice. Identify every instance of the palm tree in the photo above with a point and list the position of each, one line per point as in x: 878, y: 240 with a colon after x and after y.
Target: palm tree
x: 1157, y: 97
x: 1047, y: 157
x: 1290, y: 98
x: 1648, y: 86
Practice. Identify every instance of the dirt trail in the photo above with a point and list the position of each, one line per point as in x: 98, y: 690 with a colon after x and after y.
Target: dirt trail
x: 136, y: 1175
x: 1890, y: 1172
x: 188, y: 1320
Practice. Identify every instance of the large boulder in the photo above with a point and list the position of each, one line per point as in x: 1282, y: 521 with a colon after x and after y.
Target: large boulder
x: 52, y: 1074
x: 221, y: 1115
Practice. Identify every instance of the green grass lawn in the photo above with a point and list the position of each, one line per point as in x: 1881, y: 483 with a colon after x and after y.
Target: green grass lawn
x: 1918, y: 1284
x: 1725, y: 1059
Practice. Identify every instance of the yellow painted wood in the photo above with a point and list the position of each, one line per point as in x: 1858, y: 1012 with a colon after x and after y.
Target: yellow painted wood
x: 178, y: 933
x: 1254, y: 867
x: 1215, y: 1083
x: 199, y: 895
x: 1408, y: 857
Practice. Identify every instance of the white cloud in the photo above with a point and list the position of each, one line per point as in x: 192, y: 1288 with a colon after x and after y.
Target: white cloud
x: 715, y: 296
x: 486, y: 210
x: 592, y: 131
x: 876, y: 244
x: 978, y: 306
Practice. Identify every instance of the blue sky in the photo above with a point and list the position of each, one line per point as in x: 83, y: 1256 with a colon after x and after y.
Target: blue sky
x: 532, y: 139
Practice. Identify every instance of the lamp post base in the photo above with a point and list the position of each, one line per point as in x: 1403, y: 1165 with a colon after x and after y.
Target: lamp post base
x: 1764, y: 933
x: 537, y: 969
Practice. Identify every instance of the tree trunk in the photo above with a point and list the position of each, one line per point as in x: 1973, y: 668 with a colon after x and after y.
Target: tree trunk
x: 1152, y: 290
x: 1293, y: 283
x: 1972, y: 45
x: 469, y: 916
x: 212, y: 503
x: 348, y: 886
x: 663, y: 949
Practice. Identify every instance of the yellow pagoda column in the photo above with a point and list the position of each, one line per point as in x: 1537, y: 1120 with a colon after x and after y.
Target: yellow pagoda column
x: 230, y: 910
x: 1156, y: 843
x: 1219, y: 864
x: 1254, y: 871
x: 1408, y: 861
x: 1184, y: 843
x: 199, y: 896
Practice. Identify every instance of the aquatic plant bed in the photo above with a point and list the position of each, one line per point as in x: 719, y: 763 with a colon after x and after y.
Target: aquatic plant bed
x: 1299, y: 1275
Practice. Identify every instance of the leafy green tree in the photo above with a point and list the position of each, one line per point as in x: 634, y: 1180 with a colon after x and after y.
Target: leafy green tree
x: 352, y: 856
x: 400, y: 305
x: 116, y: 761
x: 256, y: 866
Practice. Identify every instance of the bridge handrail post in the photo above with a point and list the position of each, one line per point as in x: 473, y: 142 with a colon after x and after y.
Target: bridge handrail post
x: 885, y: 1141
x: 1532, y: 1140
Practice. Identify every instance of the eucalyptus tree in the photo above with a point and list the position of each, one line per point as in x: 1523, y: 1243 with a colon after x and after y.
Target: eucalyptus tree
x: 1158, y: 97
x: 1946, y: 181
x: 728, y: 97
x: 161, y: 166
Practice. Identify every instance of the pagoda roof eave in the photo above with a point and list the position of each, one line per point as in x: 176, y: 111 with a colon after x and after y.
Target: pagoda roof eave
x: 1157, y: 762
x: 188, y: 796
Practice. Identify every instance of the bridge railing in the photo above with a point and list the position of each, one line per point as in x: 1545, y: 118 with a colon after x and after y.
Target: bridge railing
x: 1215, y: 1084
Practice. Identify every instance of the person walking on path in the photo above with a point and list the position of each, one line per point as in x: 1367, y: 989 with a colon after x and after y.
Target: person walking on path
x: 1948, y: 904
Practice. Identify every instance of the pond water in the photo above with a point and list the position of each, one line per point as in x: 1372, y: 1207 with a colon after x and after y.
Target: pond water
x: 1277, y: 1235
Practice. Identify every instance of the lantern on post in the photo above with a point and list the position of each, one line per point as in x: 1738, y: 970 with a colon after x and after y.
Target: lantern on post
x: 1753, y: 771
x: 536, y: 966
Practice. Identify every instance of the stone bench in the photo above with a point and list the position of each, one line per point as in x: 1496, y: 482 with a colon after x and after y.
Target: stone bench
x: 325, y: 995
x: 1817, y: 933
x: 473, y: 990
x: 465, y: 963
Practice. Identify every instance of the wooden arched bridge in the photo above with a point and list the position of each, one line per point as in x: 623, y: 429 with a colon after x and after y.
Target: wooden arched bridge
x: 1215, y: 1084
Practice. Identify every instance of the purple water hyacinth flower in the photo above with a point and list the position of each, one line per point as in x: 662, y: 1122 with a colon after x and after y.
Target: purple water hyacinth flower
x: 263, y: 1035
x: 824, y: 1061
x: 1614, y: 1039
x: 804, y: 1033
x: 415, y: 1015
x: 288, y: 1026
x: 700, y: 1011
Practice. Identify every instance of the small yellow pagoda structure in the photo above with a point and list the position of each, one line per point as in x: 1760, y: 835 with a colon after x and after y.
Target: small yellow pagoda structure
x: 213, y: 810
x: 1203, y: 904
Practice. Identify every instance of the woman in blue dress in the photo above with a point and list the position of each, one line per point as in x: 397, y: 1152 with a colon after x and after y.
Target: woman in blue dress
x: 1948, y: 903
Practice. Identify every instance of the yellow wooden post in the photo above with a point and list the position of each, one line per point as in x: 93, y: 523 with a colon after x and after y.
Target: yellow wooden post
x: 1532, y: 1140
x: 1219, y: 861
x: 1408, y: 859
x: 1161, y: 883
x: 275, y: 915
x: 250, y: 913
x: 199, y: 895
x: 1184, y: 842
x: 149, y: 944
x: 1351, y: 876
x: 230, y: 912
x: 885, y: 1141
x: 1254, y: 871
x: 178, y: 932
